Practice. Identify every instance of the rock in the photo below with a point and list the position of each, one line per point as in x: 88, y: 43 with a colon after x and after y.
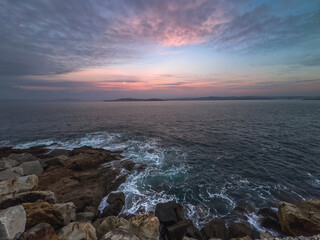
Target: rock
x: 22, y: 184
x: 26, y: 197
x: 21, y: 158
x: 239, y: 230
x: 109, y: 224
x: 119, y: 234
x: 59, y: 160
x: 97, y: 222
x: 32, y: 167
x: 56, y: 215
x: 11, y: 173
x: 78, y: 231
x: 58, y: 152
x: 84, y: 217
x: 12, y: 223
x: 113, y: 197
x: 82, y: 180
x: 269, y: 219
x: 193, y: 232
x: 94, y: 210
x: 187, y: 238
x: 113, y: 209
x: 145, y: 226
x: 215, y: 229
x: 7, y: 163
x: 41, y: 231
x: 242, y: 238
x: 178, y: 230
x: 300, y: 219
x: 266, y: 236
x: 243, y: 208
x: 169, y: 213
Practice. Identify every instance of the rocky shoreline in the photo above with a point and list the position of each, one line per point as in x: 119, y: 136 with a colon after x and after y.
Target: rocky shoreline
x: 54, y: 195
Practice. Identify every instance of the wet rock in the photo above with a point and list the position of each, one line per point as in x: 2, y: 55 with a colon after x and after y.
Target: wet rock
x: 41, y: 231
x: 12, y: 223
x: 178, y: 230
x: 145, y: 226
x: 22, y: 184
x: 109, y: 224
x: 32, y: 167
x: 26, y: 197
x: 169, y: 213
x: 78, y: 231
x: 59, y: 160
x: 243, y: 208
x: 266, y: 236
x: 119, y: 234
x: 300, y: 219
x: 215, y: 229
x: 84, y: 217
x: 11, y: 173
x: 113, y: 209
x: 113, y: 197
x: 58, y: 152
x: 269, y: 219
x: 193, y: 232
x: 239, y: 230
x: 56, y: 215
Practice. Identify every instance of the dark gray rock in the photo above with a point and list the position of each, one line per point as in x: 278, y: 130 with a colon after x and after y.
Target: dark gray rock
x: 31, y: 167
x: 178, y: 230
x: 113, y: 197
x: 239, y: 230
x: 215, y: 229
x: 169, y: 213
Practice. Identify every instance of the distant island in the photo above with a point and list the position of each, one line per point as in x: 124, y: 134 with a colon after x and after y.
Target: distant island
x: 212, y: 98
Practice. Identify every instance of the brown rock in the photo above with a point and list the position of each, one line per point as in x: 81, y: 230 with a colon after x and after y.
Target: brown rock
x: 119, y: 234
x: 239, y: 230
x: 78, y: 231
x: 178, y: 230
x: 56, y: 215
x: 145, y: 226
x: 109, y: 224
x: 215, y: 229
x: 300, y: 219
x: 41, y: 231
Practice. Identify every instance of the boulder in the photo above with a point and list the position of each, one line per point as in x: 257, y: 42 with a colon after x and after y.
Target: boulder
x: 118, y: 196
x: 109, y: 224
x: 56, y: 215
x: 59, y: 160
x: 239, y: 230
x: 242, y: 238
x: 41, y: 231
x: 269, y: 219
x: 119, y: 234
x: 84, y: 216
x: 11, y: 173
x: 145, y: 227
x: 187, y: 238
x: 21, y: 158
x: 266, y: 236
x: 300, y: 219
x: 58, y: 152
x: 113, y: 209
x: 215, y: 229
x: 94, y: 210
x: 26, y: 197
x: 22, y: 184
x: 32, y: 167
x: 78, y: 231
x: 169, y: 213
x: 97, y: 222
x: 12, y: 223
x: 7, y: 163
x: 178, y: 230
x: 193, y: 232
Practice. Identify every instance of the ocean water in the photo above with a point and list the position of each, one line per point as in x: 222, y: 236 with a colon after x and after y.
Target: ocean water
x: 208, y: 155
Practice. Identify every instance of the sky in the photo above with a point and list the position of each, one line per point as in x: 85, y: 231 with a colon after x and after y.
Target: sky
x: 109, y: 49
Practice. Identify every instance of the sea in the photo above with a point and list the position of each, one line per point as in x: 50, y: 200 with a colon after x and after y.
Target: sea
x: 210, y: 156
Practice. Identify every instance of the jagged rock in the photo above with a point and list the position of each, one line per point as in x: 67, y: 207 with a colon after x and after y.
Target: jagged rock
x: 300, y: 219
x: 269, y: 219
x: 7, y: 163
x: 82, y: 179
x: 22, y: 184
x: 21, y: 158
x: 84, y: 217
x: 113, y: 197
x: 215, y: 229
x: 145, y: 226
x: 12, y: 223
x: 59, y: 160
x: 42, y: 231
x: 32, y: 167
x: 242, y: 238
x: 266, y: 236
x: 11, y: 173
x: 178, y: 230
x: 97, y: 222
x: 169, y: 213
x: 113, y: 209
x: 239, y: 230
x: 94, y: 210
x: 109, y: 224
x: 78, y: 231
x: 119, y: 234
x: 56, y: 215
x: 58, y: 152
x: 26, y: 197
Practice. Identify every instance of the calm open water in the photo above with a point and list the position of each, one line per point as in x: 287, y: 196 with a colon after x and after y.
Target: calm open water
x: 207, y: 155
